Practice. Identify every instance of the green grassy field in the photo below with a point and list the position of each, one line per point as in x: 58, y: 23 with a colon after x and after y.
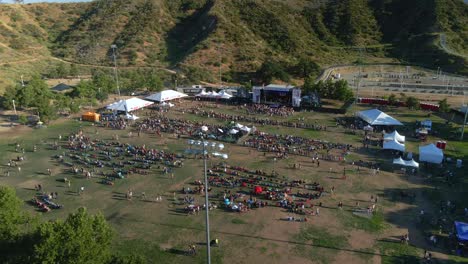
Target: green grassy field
x: 161, y: 231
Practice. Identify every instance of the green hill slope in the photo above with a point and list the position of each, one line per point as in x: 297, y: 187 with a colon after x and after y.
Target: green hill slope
x: 238, y: 36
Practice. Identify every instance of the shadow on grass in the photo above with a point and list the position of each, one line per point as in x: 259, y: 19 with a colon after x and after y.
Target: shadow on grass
x: 271, y: 239
x: 177, y: 251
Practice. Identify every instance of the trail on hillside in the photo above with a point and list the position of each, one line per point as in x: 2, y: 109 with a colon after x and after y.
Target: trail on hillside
x: 446, y: 48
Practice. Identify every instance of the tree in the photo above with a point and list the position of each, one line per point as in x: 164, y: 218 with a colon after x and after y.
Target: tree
x: 12, y: 218
x: 73, y: 72
x: 412, y: 102
x: 153, y: 82
x: 309, y: 85
x: 444, y: 107
x: 127, y: 259
x: 11, y: 93
x: 271, y: 70
x: 342, y: 91
x: 81, y: 238
x: 392, y: 100
x: 306, y: 68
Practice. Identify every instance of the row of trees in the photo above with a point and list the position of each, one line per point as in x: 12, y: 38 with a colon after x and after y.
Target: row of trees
x: 330, y: 89
x: 414, y: 103
x: 36, y: 94
x: 80, y: 238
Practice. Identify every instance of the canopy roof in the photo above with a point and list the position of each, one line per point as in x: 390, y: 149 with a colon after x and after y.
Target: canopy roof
x: 221, y: 95
x: 462, y: 231
x: 377, y: 117
x: 431, y: 153
x: 412, y: 163
x: 399, y: 161
x: 394, y: 136
x: 408, y: 163
x: 395, y: 145
x: 166, y: 95
x: 129, y: 105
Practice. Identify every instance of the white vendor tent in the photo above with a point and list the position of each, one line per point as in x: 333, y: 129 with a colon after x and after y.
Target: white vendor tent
x: 431, y: 154
x: 224, y: 95
x: 166, y: 95
x: 412, y: 163
x: 395, y: 145
x: 407, y: 163
x: 202, y: 94
x: 399, y: 161
x: 368, y: 128
x: 394, y: 136
x: 129, y: 105
x: 377, y: 117
x: 131, y: 117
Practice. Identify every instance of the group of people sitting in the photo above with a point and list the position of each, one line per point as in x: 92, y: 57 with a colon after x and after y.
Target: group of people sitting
x: 288, y: 144
x: 267, y: 110
x: 160, y: 124
x: 253, y: 119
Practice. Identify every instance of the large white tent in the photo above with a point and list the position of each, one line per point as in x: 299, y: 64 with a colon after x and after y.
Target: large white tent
x: 431, y: 154
x: 377, y: 117
x: 394, y: 136
x: 166, y: 95
x: 395, y: 145
x: 129, y: 105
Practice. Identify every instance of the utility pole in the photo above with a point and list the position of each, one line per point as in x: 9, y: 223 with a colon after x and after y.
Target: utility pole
x: 116, y: 75
x: 464, y: 123
x: 219, y: 50
x: 14, y: 106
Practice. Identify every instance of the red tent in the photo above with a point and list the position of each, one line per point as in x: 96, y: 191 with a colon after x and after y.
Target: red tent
x: 258, y: 190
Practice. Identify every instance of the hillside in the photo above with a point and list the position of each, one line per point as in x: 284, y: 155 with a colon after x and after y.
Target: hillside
x: 238, y: 36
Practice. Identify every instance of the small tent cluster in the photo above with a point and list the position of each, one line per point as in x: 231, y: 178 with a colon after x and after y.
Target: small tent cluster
x: 407, y: 163
x: 394, y: 141
x: 221, y: 95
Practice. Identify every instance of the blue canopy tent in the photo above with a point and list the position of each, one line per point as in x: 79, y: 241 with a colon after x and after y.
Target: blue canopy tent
x: 462, y: 231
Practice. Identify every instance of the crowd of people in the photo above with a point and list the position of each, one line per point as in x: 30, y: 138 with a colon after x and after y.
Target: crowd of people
x: 300, y: 123
x: 285, y: 145
x: 161, y: 124
x: 93, y: 157
x: 282, y: 111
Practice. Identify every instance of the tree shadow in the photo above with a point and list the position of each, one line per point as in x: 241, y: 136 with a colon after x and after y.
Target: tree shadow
x: 190, y: 31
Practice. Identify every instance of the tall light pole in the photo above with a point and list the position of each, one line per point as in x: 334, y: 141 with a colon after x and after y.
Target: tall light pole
x: 114, y: 47
x: 204, y: 144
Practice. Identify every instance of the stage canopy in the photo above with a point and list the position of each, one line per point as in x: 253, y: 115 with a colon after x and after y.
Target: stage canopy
x: 379, y: 118
x: 395, y: 145
x: 394, y: 136
x: 166, y: 95
x: 462, y: 231
x: 129, y: 105
x: 431, y: 154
